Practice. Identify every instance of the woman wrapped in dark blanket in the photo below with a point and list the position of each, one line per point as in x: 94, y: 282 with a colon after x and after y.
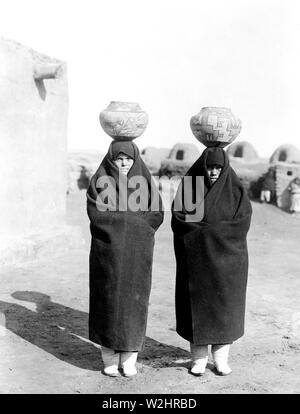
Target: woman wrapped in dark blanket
x: 212, y: 260
x: 123, y: 217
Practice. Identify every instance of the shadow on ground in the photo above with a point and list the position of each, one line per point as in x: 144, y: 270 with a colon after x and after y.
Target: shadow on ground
x: 63, y: 332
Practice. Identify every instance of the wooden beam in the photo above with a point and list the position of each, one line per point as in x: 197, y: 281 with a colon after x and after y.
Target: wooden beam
x: 46, y: 71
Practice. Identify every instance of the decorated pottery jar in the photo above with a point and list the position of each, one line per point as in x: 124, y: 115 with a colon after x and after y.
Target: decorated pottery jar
x: 123, y: 121
x: 215, y: 127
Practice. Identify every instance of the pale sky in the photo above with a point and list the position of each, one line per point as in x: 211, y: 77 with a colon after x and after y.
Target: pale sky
x: 173, y: 57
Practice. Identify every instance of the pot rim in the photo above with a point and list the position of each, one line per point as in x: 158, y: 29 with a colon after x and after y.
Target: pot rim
x: 137, y: 107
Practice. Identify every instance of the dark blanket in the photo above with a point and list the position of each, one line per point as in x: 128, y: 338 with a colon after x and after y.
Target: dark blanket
x: 212, y: 260
x: 268, y: 182
x: 120, y: 263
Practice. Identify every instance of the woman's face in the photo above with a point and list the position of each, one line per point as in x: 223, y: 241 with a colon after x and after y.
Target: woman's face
x: 124, y: 163
x: 214, y: 172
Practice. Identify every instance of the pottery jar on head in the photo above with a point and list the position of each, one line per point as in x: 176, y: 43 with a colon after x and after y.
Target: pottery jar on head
x: 123, y: 121
x: 215, y: 126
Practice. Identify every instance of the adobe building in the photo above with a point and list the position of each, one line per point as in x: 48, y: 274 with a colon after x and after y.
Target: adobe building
x: 153, y: 157
x: 286, y: 153
x: 181, y: 158
x: 33, y: 151
x: 285, y: 160
x: 242, y: 150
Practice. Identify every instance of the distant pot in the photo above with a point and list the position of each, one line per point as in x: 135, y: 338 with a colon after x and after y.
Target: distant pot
x: 123, y: 121
x: 215, y: 127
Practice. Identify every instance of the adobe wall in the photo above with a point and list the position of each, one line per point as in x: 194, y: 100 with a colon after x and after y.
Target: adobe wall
x: 285, y: 174
x: 33, y: 140
x: 33, y: 154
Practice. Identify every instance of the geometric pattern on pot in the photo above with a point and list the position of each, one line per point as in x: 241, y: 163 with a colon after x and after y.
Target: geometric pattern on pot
x: 215, y: 126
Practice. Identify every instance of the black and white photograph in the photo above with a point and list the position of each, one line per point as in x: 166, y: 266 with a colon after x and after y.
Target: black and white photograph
x: 150, y: 202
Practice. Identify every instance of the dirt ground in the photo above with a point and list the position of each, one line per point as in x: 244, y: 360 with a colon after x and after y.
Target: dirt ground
x: 44, y: 315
